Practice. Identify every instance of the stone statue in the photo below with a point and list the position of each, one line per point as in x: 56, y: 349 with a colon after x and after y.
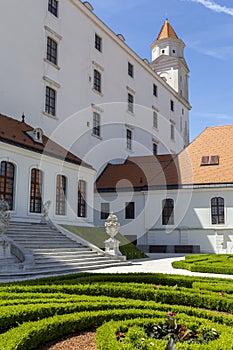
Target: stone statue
x: 4, y: 216
x: 45, y: 211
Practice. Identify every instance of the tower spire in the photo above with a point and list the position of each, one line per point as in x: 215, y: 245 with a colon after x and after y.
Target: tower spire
x: 168, y: 59
x: 167, y: 31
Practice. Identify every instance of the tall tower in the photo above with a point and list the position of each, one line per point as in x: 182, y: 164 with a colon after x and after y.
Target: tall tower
x: 168, y: 60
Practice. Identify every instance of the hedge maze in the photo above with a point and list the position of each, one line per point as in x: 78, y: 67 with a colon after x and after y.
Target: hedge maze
x: 123, y: 308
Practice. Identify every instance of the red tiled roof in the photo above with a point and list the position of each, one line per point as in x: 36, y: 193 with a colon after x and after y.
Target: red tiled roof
x: 139, y: 173
x: 213, y: 141
x: 15, y: 132
x: 171, y: 170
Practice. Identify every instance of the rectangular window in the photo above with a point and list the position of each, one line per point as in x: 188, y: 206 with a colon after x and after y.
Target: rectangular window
x: 104, y: 211
x: 61, y: 195
x: 82, y: 207
x: 53, y: 7
x: 186, y: 133
x: 97, y: 80
x: 130, y: 70
x: 51, y: 50
x: 130, y: 103
x: 172, y: 131
x: 155, y: 149
x: 210, y: 160
x: 172, y: 105
x: 155, y: 90
x: 50, y: 101
x: 155, y: 120
x: 217, y: 211
x: 96, y: 124
x: 129, y: 139
x: 181, y: 124
x: 98, y: 43
x: 129, y: 210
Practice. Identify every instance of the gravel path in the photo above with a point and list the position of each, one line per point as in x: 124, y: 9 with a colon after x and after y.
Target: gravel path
x: 82, y: 341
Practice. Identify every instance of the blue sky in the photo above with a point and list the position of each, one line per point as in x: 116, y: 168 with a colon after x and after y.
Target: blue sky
x: 205, y: 26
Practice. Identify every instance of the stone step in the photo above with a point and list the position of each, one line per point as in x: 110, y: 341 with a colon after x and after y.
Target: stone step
x: 60, y: 256
x: 31, y: 246
x: 31, y: 228
x: 56, y: 257
x: 67, y: 256
x: 25, y: 275
x: 22, y: 223
x: 54, y: 253
x: 70, y: 263
x: 43, y: 239
x: 34, y: 233
x: 60, y: 251
x: 65, y: 259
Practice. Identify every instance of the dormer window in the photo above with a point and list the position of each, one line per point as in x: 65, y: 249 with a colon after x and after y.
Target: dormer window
x: 36, y: 135
x: 209, y: 160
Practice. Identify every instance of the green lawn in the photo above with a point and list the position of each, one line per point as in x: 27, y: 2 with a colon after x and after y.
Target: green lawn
x: 97, y: 236
x: 209, y: 263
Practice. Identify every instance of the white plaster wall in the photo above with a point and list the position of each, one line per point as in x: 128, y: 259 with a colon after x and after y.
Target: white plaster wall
x: 192, y: 218
x: 117, y: 206
x: 24, y: 161
x: 22, y: 87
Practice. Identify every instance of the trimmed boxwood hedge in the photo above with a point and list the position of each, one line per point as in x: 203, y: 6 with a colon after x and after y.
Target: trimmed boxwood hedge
x: 208, y: 263
x: 43, y: 310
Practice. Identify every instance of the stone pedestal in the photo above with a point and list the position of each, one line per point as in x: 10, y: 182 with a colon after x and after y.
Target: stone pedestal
x: 112, y: 246
x: 5, y: 250
x: 45, y: 212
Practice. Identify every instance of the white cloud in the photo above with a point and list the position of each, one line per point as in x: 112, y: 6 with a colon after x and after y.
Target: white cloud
x: 215, y: 7
x: 222, y: 52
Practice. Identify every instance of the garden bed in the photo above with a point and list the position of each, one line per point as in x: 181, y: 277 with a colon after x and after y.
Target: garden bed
x: 38, y: 312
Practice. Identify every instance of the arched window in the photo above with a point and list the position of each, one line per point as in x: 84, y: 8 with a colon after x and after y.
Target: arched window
x: 7, y: 174
x: 61, y: 195
x: 35, y: 191
x: 168, y: 212
x: 217, y: 211
x: 82, y: 206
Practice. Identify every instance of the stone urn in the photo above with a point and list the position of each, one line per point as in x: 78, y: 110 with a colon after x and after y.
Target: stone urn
x: 112, y: 244
x: 112, y: 225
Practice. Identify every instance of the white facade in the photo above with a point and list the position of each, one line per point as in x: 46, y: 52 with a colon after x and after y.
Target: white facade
x: 24, y: 161
x: 26, y: 73
x: 192, y: 218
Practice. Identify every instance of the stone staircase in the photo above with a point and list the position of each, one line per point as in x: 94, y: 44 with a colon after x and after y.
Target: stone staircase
x: 49, y: 251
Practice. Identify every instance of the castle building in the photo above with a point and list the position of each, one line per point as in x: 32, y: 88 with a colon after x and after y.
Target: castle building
x: 174, y: 203
x: 80, y: 82
x: 93, y: 106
